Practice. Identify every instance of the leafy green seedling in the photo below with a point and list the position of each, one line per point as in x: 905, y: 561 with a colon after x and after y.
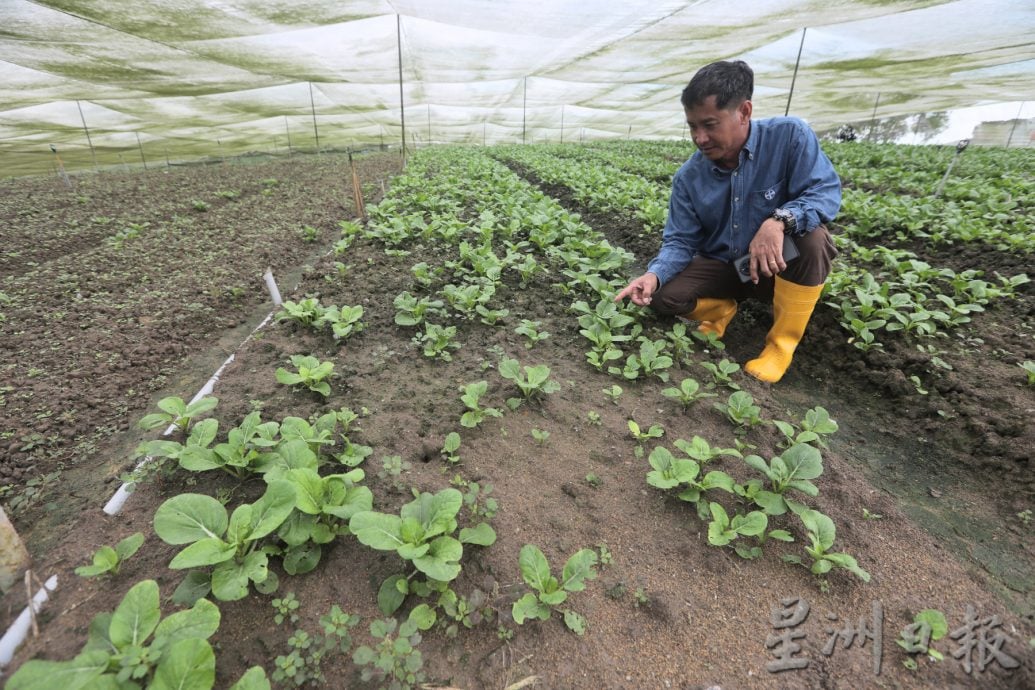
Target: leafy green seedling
x: 491, y: 316
x: 721, y: 372
x: 670, y: 472
x: 594, y: 480
x: 814, y: 427
x: 304, y: 312
x: 343, y: 322
x: 791, y: 470
x: 928, y: 626
x: 867, y: 515
x: 410, y: 311
x: 394, y: 658
x: 688, y: 392
x: 177, y: 413
x: 741, y: 410
x: 286, y: 608
x: 230, y: 544
x: 309, y: 234
x: 702, y: 451
x: 530, y: 329
x: 822, y: 534
x: 641, y: 436
x: 550, y: 593
x: 323, y: 506
x: 593, y: 417
x: 475, y: 413
x: 422, y: 536
x: 540, y: 436
x: 311, y: 374
x: 614, y: 392
x: 108, y: 560
x: 722, y: 530
x: 117, y: 653
x: 1029, y: 369
x: 533, y: 383
x: 450, y: 446
x: 437, y: 341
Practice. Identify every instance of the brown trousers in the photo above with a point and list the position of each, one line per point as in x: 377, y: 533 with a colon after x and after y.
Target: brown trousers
x: 705, y: 277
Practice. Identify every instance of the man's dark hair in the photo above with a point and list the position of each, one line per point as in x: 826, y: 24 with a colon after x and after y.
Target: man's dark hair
x: 730, y: 82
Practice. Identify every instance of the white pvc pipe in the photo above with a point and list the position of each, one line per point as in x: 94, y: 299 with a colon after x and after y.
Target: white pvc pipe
x: 19, y: 630
x: 271, y: 285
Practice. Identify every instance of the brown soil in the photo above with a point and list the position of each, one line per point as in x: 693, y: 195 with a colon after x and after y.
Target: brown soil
x: 948, y: 486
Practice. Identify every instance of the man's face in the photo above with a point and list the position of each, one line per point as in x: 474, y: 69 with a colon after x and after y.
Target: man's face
x: 719, y: 133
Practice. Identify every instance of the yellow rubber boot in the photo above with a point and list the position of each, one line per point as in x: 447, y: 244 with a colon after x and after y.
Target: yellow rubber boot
x: 792, y: 307
x: 714, y: 314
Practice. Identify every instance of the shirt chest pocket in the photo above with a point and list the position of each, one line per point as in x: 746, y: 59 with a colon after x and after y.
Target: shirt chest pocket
x: 764, y: 200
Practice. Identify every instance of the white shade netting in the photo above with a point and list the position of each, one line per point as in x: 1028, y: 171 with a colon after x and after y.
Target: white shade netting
x: 178, y: 76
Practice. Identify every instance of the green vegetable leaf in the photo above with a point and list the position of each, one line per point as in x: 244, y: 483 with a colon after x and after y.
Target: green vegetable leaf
x: 389, y: 598
x: 575, y: 622
x: 199, y: 622
x: 377, y: 530
x: 189, y: 663
x: 535, y: 569
x: 136, y: 616
x: 189, y: 517
x: 253, y: 679
x: 578, y: 569
x: 528, y: 607
x: 67, y: 675
x: 481, y: 535
x: 203, y: 552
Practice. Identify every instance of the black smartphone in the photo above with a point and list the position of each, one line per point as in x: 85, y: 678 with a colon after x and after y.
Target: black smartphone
x: 743, y: 264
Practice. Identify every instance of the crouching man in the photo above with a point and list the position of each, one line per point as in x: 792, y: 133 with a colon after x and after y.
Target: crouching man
x: 750, y: 187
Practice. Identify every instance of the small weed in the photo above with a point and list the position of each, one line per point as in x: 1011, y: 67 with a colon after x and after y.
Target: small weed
x: 594, y: 417
x: 1025, y: 517
x: 541, y: 436
x: 594, y: 480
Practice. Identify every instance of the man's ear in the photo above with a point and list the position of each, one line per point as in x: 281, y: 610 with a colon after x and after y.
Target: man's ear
x: 744, y: 111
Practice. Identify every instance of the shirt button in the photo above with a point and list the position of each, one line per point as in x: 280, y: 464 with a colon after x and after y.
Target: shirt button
x: 736, y: 198
x: 734, y: 174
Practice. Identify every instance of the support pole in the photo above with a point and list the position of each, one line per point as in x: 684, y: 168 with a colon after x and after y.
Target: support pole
x: 93, y: 154
x: 402, y: 105
x: 312, y: 106
x: 795, y: 77
x: 61, y: 167
x: 141, y: 147
x: 357, y: 190
x: 873, y: 117
x: 288, y: 131
x: 524, y: 106
x: 1015, y: 121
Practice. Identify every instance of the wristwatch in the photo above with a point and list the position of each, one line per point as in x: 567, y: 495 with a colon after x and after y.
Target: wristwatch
x: 790, y: 225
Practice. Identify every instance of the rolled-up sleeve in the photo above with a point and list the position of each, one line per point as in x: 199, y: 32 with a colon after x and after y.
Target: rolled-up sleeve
x: 814, y: 189
x: 682, y: 236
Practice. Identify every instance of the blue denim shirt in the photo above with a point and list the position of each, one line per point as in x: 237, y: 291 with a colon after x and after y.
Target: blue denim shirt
x: 716, y: 213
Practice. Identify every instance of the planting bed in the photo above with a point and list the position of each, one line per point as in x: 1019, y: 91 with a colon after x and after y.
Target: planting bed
x: 926, y: 480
